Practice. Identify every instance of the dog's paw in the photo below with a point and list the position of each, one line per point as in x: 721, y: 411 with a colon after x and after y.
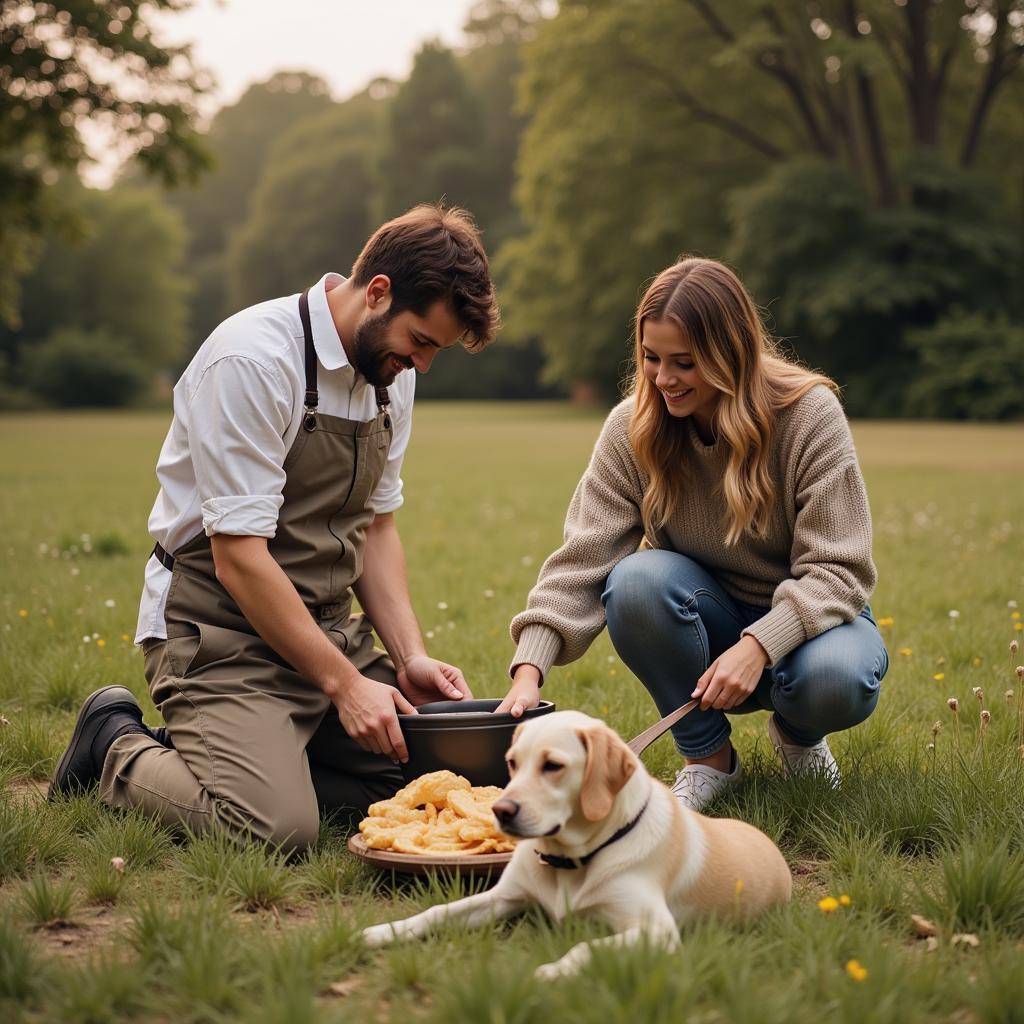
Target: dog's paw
x: 379, y: 935
x: 554, y: 971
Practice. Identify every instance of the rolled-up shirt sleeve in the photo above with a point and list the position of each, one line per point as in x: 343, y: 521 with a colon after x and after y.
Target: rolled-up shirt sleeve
x: 239, y: 413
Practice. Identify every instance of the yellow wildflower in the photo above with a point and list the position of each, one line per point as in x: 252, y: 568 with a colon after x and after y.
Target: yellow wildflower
x: 101, y: 643
x: 906, y: 651
x: 739, y: 886
x: 828, y: 905
x: 844, y: 900
x: 855, y: 970
x: 889, y: 621
x: 23, y: 612
x: 1015, y: 616
x: 125, y: 637
x: 1018, y: 626
x: 939, y: 676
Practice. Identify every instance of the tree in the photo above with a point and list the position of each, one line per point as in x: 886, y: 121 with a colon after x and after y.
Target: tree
x: 658, y: 128
x: 432, y: 138
x: 496, y: 31
x: 240, y: 139
x: 67, y: 64
x: 311, y: 209
x: 835, y: 61
x: 969, y: 369
x: 616, y: 179
x: 122, y: 277
x: 853, y: 282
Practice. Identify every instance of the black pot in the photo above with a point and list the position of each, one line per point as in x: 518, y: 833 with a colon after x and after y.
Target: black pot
x: 464, y: 736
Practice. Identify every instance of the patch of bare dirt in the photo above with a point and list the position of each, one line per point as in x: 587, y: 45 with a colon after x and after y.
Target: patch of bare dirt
x: 91, y: 929
x: 28, y: 790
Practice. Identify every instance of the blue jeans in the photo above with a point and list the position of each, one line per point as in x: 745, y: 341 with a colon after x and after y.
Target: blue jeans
x: 669, y: 618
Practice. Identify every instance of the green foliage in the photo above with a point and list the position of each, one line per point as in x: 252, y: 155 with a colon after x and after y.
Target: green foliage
x: 432, y: 138
x: 947, y: 535
x: 28, y: 748
x: 861, y: 190
x: 47, y: 903
x: 197, y: 956
x: 119, y: 281
x: 23, y: 973
x: 101, y: 881
x: 107, y: 991
x: 851, y: 280
x: 981, y: 887
x: 76, y: 367
x: 250, y: 875
x: 310, y: 210
x: 67, y: 64
x: 240, y: 140
x: 970, y: 367
x: 259, y: 879
x: 614, y: 180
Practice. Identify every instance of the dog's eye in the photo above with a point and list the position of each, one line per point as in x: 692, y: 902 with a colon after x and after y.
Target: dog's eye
x: 552, y: 766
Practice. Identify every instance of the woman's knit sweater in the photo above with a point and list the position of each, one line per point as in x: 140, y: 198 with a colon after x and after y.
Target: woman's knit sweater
x: 810, y: 567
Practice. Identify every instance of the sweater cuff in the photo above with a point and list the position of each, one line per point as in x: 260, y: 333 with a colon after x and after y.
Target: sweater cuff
x: 539, y: 645
x: 778, y: 632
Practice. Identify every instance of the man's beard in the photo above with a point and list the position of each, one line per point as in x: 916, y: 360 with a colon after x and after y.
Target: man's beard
x: 371, y: 356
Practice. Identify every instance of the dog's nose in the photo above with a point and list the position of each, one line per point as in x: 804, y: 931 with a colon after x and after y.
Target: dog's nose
x: 505, y: 811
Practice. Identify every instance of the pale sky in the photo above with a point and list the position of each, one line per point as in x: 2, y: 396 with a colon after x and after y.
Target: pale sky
x: 347, y: 42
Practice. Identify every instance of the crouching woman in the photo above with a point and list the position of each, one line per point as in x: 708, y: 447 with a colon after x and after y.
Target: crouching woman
x: 738, y: 467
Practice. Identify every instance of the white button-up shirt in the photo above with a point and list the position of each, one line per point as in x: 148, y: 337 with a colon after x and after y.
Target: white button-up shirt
x: 237, y: 409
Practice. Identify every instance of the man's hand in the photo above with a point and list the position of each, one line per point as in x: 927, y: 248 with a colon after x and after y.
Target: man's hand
x: 423, y: 679
x: 524, y: 692
x: 733, y: 676
x: 368, y: 711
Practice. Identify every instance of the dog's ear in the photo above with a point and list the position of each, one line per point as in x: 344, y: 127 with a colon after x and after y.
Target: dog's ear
x: 518, y: 732
x: 610, y: 765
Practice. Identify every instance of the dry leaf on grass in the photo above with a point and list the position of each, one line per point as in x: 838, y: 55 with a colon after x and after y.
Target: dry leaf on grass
x: 923, y: 928
x: 341, y: 989
x: 968, y: 939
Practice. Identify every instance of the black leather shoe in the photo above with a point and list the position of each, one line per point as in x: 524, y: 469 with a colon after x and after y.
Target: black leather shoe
x: 105, y: 715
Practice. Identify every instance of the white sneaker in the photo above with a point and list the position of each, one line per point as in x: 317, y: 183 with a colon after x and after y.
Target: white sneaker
x: 698, y: 784
x: 798, y: 760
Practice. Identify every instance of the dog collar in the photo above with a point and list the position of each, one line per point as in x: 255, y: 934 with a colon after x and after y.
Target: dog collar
x: 554, y: 861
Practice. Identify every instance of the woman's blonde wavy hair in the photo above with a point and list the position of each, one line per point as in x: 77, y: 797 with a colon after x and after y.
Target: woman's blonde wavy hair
x: 734, y: 353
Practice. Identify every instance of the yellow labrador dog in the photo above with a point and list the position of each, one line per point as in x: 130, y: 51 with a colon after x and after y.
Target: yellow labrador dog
x: 601, y: 836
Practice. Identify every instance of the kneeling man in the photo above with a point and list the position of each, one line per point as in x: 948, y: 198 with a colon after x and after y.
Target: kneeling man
x: 279, y: 479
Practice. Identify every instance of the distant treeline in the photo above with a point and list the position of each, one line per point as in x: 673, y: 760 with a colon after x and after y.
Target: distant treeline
x: 859, y: 166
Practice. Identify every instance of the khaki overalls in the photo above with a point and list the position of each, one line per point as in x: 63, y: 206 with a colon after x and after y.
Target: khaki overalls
x: 258, y: 749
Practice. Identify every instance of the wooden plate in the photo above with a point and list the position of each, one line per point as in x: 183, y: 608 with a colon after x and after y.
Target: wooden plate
x: 413, y: 864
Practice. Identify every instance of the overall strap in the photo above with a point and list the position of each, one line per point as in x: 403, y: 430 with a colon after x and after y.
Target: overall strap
x: 312, y: 395
x: 312, y: 399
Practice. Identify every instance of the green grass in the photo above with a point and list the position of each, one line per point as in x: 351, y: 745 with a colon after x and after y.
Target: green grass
x: 205, y: 931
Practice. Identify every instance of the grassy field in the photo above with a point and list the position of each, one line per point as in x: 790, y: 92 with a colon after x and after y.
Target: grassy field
x: 200, y: 932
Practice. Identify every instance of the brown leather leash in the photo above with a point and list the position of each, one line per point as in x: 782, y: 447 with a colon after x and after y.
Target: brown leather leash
x: 640, y: 743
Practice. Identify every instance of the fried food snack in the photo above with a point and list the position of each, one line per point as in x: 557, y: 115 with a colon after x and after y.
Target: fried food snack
x: 439, y: 813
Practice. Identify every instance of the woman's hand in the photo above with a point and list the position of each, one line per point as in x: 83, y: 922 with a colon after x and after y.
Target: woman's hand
x: 524, y: 692
x: 733, y: 676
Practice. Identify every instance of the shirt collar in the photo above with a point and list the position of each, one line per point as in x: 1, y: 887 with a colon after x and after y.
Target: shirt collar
x: 329, y: 350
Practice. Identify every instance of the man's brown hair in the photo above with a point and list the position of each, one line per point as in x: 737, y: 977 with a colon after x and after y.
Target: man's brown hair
x: 431, y: 253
